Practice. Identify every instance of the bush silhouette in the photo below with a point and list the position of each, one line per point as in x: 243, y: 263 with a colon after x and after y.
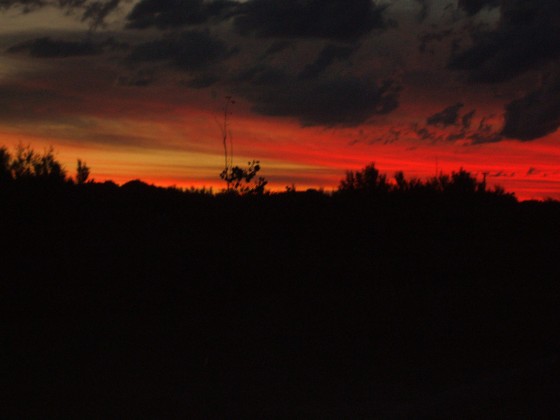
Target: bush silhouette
x: 82, y: 172
x: 368, y: 181
x: 28, y: 165
x: 5, y: 162
x: 244, y: 181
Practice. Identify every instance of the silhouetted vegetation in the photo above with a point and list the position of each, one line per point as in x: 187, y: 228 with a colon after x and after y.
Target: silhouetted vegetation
x: 26, y: 164
x: 462, y: 183
x: 389, y: 298
x: 244, y: 181
x: 238, y: 180
x: 82, y: 172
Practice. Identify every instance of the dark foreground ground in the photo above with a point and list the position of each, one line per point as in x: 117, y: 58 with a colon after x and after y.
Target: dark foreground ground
x: 127, y: 304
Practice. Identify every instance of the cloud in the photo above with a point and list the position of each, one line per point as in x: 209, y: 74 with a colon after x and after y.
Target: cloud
x: 138, y: 78
x: 189, y: 50
x: 290, y: 67
x: 164, y: 14
x: 326, y: 57
x: 93, y: 12
x: 22, y: 103
x: 26, y: 5
x: 466, y: 119
x: 472, y: 7
x: 427, y: 38
x: 346, y: 101
x: 449, y: 116
x: 449, y: 125
x: 526, y: 37
x: 49, y: 48
x: 277, y: 47
x: 343, y: 20
x: 532, y: 171
x: 262, y: 76
x: 485, y: 133
x: 424, y: 11
x: 536, y: 114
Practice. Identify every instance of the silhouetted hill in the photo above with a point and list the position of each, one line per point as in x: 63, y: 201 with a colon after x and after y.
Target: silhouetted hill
x: 138, y: 301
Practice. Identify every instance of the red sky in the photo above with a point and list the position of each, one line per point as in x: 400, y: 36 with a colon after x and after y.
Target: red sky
x: 136, y: 89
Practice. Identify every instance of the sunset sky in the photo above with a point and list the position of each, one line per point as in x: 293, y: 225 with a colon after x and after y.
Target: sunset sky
x: 136, y: 88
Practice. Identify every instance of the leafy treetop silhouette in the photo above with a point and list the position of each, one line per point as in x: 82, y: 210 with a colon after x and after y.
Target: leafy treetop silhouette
x: 28, y: 166
x: 82, y: 173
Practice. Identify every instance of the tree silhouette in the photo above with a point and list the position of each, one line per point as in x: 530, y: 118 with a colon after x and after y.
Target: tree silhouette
x: 367, y: 181
x: 82, y: 172
x: 463, y: 182
x: 27, y: 164
x: 244, y: 181
x: 5, y: 162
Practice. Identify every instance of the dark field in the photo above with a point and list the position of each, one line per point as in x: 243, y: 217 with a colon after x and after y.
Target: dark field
x: 140, y: 302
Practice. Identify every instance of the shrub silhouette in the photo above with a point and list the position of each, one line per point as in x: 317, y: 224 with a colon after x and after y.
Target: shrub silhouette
x: 368, y: 181
x: 463, y: 182
x: 5, y: 161
x: 82, y: 172
x: 244, y: 181
x: 29, y: 167
x: 27, y: 164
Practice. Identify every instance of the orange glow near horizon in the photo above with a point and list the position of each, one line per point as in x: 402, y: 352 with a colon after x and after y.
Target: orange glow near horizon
x: 304, y: 157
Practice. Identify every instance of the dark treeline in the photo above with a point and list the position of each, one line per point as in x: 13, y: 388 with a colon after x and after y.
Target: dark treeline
x: 28, y: 168
x: 385, y: 299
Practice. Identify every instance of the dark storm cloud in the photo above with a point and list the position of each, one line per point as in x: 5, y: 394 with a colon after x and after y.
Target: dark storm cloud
x: 330, y: 102
x: 449, y: 116
x: 49, y: 48
x: 527, y: 36
x: 485, y: 133
x: 326, y: 57
x: 466, y: 119
x: 95, y: 12
x: 472, y: 7
x: 343, y: 20
x: 310, y: 93
x: 424, y: 11
x: 92, y: 11
x: 449, y: 125
x: 263, y: 76
x: 165, y: 14
x: 139, y: 78
x: 427, y: 38
x: 202, y: 81
x: 534, y: 115
x: 189, y: 50
x: 277, y: 47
